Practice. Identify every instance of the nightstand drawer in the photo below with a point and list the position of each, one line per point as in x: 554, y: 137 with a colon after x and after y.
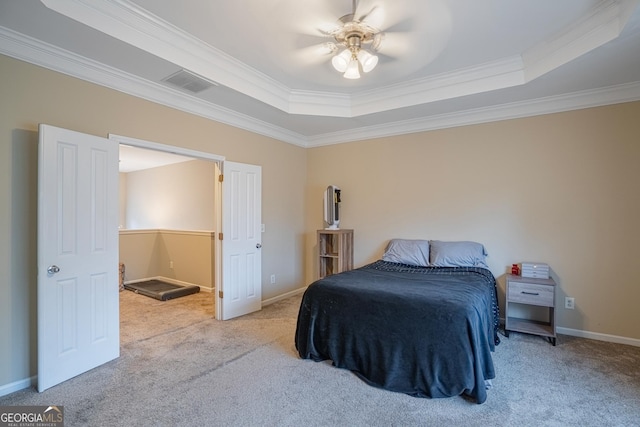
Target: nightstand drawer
x: 529, y: 293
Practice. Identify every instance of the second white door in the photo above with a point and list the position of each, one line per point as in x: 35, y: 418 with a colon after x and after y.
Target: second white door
x: 242, y: 240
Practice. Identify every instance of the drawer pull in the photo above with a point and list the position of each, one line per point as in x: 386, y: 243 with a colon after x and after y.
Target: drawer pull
x: 530, y: 293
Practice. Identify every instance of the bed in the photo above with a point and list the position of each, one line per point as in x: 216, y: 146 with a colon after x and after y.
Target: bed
x: 425, y: 326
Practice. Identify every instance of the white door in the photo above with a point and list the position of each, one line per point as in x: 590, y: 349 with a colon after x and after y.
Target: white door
x: 78, y: 296
x: 242, y: 240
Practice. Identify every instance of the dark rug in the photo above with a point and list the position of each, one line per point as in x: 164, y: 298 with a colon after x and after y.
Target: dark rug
x: 161, y: 290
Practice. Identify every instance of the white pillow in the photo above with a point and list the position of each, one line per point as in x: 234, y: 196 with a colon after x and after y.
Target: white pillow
x: 457, y: 254
x: 404, y: 251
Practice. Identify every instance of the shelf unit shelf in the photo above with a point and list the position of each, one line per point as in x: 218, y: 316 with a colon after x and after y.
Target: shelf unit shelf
x: 335, y: 251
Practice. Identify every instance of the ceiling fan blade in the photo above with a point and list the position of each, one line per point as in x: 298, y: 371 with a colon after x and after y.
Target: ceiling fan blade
x: 316, y: 54
x: 328, y: 30
x: 385, y: 59
x: 395, y: 44
x: 317, y: 29
x: 313, y: 18
x: 303, y: 41
x: 374, y: 18
x: 400, y: 25
x: 390, y: 19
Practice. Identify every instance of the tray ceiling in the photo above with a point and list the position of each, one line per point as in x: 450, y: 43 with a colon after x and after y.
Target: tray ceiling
x: 261, y: 65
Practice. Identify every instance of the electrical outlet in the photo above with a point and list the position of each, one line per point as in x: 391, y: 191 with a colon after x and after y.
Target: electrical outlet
x: 569, y: 303
x: 273, y: 279
x: 170, y: 264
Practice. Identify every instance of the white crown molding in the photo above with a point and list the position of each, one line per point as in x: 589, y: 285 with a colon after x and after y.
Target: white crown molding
x: 495, y: 75
x: 131, y: 24
x: 305, y: 102
x: 28, y: 49
x: 126, y: 21
x: 605, y: 23
x: 34, y: 51
x: 483, y: 78
x: 548, y: 105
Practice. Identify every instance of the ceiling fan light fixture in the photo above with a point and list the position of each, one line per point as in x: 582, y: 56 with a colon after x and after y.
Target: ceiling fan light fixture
x: 353, y: 70
x: 341, y: 61
x: 359, y: 40
x: 367, y: 60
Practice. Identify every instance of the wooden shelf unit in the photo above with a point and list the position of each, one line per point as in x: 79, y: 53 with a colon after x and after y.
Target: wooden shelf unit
x: 335, y: 251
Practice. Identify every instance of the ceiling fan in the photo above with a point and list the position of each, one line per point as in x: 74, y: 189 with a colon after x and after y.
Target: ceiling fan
x: 404, y: 36
x: 357, y: 38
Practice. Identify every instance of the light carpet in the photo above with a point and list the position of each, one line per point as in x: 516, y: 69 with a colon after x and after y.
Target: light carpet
x: 181, y: 367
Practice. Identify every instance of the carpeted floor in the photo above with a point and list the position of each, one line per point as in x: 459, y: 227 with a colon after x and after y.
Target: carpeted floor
x: 181, y: 367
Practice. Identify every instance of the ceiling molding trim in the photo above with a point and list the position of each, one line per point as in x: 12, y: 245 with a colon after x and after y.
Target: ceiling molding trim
x: 320, y: 103
x: 125, y: 21
x: 498, y: 74
x: 548, y: 105
x: 486, y: 77
x: 28, y: 49
x: 602, y: 25
x: 34, y: 51
x: 133, y: 25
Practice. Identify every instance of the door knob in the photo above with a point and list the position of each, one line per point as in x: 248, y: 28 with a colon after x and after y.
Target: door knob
x: 258, y: 245
x: 53, y: 269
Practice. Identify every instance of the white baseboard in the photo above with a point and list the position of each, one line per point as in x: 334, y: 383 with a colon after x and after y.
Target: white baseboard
x: 286, y: 295
x: 593, y: 335
x: 598, y: 336
x: 17, y: 386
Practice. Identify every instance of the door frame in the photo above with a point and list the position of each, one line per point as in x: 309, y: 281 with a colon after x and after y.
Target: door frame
x: 198, y: 155
x: 217, y: 259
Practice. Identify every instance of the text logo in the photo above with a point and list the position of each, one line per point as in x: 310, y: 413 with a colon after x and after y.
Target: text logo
x: 31, y: 416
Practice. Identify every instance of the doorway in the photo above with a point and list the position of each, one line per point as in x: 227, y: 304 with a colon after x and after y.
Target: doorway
x: 237, y: 197
x: 166, y: 232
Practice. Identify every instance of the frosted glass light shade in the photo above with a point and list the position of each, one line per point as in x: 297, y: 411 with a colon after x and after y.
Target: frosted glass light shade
x: 367, y: 60
x: 341, y: 61
x: 353, y: 70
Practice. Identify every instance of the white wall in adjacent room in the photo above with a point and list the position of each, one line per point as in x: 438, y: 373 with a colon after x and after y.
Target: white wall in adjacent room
x: 177, y: 197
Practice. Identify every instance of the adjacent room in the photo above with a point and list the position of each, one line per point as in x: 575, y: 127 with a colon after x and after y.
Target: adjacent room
x: 166, y: 223
x: 166, y: 234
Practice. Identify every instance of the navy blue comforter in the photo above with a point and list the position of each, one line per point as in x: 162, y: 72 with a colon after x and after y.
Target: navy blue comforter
x: 423, y: 331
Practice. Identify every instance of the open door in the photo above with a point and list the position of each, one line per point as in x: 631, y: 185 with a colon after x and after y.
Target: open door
x: 78, y: 295
x: 241, y: 291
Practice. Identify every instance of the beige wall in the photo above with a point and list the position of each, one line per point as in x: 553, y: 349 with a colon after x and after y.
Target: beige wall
x: 562, y: 189
x: 122, y: 200
x: 30, y: 95
x: 178, y: 255
x: 177, y: 196
x: 139, y: 253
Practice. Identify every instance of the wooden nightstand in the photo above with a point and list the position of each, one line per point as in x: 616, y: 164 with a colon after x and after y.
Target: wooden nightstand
x: 528, y: 291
